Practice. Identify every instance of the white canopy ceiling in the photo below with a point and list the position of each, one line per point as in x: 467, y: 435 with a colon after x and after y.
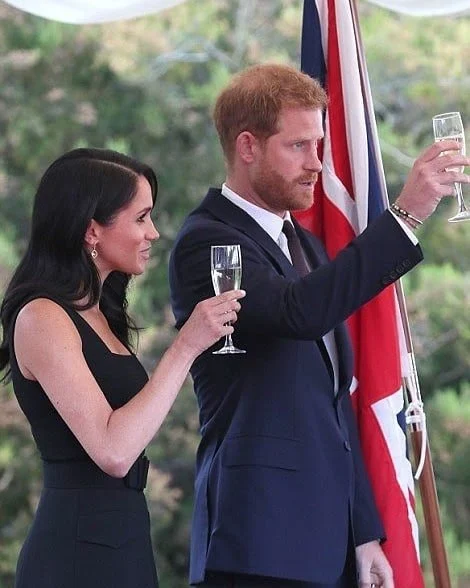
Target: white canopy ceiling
x: 425, y: 7
x: 96, y: 11
x: 91, y: 11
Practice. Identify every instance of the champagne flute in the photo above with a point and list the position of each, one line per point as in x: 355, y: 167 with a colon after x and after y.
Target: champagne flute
x: 226, y: 272
x: 448, y: 126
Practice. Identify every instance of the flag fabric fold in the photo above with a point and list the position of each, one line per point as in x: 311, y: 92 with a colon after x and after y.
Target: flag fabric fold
x: 349, y: 194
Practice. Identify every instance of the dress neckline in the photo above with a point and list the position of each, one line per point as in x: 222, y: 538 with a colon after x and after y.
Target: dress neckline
x: 103, y: 343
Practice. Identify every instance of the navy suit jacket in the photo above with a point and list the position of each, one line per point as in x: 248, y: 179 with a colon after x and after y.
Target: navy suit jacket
x: 280, y: 479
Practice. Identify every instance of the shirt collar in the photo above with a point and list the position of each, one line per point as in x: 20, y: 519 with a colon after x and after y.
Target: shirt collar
x: 270, y: 222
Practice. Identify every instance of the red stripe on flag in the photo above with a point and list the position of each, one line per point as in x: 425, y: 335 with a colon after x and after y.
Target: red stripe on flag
x: 377, y: 349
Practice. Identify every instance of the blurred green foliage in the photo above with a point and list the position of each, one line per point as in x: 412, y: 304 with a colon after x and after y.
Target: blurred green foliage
x: 146, y: 87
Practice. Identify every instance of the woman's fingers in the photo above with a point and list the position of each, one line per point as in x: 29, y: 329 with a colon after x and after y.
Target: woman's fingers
x: 224, y: 303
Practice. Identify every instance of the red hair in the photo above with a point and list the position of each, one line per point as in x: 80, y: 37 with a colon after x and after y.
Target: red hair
x: 255, y: 97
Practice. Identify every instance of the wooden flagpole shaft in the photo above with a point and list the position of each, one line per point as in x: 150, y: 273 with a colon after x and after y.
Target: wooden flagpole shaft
x: 427, y: 483
x: 427, y: 487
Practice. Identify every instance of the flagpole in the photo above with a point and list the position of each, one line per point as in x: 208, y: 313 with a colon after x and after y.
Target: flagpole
x: 427, y: 484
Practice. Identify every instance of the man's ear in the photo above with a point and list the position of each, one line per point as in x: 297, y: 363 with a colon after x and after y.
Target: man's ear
x: 246, y: 146
x: 92, y: 234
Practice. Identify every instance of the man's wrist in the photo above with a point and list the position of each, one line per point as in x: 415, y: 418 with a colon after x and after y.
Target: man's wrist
x: 412, y: 221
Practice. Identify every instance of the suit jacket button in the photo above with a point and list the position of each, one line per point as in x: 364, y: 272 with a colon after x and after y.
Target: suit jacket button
x: 347, y: 446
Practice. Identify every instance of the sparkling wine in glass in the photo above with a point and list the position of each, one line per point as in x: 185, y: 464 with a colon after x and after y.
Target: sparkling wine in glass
x: 448, y: 126
x: 226, y: 273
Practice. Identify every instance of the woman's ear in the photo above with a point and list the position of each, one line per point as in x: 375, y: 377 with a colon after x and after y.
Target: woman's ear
x: 92, y: 233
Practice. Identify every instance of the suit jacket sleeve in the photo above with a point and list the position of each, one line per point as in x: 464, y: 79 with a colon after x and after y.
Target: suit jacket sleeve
x: 286, y: 306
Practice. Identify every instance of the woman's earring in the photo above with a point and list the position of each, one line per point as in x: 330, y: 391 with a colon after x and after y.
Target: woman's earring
x: 94, y: 253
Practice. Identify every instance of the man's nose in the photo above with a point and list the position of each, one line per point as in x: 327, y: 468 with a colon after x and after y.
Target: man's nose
x: 313, y: 162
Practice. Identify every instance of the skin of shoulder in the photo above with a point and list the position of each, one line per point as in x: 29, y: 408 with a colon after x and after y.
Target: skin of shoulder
x: 42, y: 329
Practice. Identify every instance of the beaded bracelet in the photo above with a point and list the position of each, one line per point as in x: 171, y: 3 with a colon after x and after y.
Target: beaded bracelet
x: 405, y: 215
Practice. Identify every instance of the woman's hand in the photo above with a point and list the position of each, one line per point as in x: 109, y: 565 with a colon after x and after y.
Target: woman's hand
x: 210, y: 320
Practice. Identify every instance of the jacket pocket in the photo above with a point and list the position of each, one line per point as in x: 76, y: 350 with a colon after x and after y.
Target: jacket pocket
x: 258, y: 450
x: 112, y: 528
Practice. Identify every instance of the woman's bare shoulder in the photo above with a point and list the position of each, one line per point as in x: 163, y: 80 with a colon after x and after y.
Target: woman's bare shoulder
x: 43, y: 316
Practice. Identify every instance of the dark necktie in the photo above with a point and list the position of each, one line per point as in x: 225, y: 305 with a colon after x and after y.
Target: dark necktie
x: 295, y: 249
x: 301, y: 265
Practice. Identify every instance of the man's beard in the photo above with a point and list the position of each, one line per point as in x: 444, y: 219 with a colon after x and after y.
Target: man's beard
x: 281, y: 194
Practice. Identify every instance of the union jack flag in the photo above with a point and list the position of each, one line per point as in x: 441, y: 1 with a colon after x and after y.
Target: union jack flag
x: 349, y: 194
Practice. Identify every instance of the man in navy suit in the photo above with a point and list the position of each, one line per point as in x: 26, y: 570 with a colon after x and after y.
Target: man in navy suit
x: 282, y: 498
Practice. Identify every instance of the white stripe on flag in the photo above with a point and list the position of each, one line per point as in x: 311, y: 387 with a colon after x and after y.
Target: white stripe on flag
x: 386, y: 411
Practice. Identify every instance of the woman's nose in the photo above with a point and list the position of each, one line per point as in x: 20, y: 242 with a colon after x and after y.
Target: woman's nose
x: 153, y: 234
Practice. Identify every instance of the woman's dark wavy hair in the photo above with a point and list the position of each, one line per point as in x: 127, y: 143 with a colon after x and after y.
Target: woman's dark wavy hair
x: 82, y: 185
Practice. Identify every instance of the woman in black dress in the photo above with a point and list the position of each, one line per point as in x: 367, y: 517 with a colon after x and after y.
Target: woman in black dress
x: 91, y: 406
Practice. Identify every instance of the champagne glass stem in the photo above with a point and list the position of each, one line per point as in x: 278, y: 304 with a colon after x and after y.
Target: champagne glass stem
x: 463, y: 214
x: 460, y: 200
x: 228, y: 340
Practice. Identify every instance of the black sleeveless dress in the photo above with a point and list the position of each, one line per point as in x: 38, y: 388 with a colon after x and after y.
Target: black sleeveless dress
x: 90, y: 530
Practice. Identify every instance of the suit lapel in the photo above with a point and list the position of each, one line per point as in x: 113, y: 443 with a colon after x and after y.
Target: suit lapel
x: 234, y: 216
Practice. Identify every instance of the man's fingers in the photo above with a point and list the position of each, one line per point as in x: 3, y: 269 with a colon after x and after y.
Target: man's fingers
x: 450, y: 162
x: 436, y: 149
x: 445, y: 181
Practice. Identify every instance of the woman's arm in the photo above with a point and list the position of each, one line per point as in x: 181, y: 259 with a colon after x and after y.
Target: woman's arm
x: 49, y: 349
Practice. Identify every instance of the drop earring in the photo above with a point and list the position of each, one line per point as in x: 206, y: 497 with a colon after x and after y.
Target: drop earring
x: 94, y: 253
